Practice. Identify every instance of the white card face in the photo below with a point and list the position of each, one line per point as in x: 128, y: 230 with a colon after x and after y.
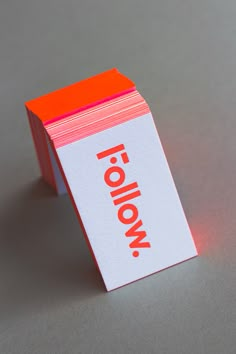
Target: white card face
x: 127, y: 200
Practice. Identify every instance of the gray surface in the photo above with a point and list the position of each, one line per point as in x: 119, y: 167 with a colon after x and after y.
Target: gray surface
x: 181, y: 55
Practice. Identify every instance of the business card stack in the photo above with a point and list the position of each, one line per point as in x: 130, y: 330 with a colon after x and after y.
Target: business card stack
x: 96, y: 139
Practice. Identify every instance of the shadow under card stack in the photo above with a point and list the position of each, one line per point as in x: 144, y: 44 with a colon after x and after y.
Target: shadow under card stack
x: 96, y: 139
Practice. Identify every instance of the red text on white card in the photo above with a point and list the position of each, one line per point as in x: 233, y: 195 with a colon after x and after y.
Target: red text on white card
x: 122, y: 194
